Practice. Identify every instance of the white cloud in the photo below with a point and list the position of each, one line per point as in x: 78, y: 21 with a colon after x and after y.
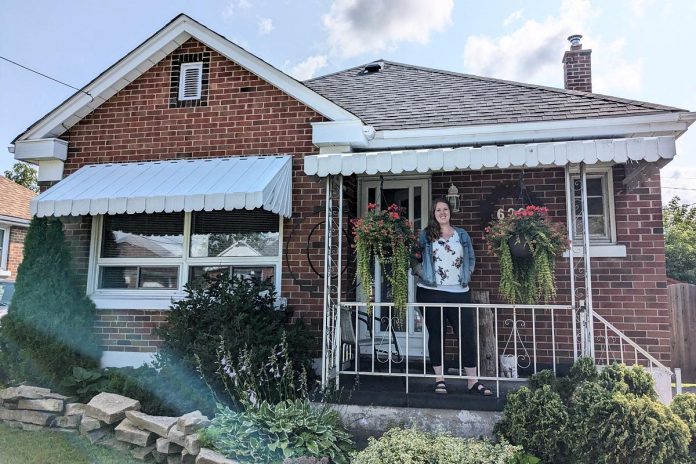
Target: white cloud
x: 309, y: 67
x: 369, y: 26
x: 514, y: 16
x: 265, y: 26
x: 233, y: 5
x: 533, y: 52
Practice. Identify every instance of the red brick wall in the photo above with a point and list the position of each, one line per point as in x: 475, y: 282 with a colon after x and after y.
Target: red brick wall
x: 137, y: 124
x: 630, y: 292
x: 15, y: 252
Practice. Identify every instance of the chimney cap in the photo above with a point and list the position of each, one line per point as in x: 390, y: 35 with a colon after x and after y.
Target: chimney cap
x: 575, y: 41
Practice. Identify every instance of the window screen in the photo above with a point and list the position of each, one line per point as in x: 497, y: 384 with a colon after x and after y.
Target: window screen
x: 235, y: 233
x: 143, y: 236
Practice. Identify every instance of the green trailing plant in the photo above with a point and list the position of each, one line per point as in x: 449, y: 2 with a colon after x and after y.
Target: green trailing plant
x: 271, y: 433
x: 412, y: 446
x: 527, y: 279
x: 50, y: 325
x: 386, y: 235
x: 612, y: 416
x: 238, y: 314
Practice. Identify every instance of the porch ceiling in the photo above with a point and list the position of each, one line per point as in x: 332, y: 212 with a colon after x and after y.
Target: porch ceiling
x: 492, y: 157
x: 172, y: 186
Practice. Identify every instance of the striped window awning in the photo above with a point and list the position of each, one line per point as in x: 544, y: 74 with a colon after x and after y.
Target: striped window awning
x: 528, y: 155
x: 172, y: 186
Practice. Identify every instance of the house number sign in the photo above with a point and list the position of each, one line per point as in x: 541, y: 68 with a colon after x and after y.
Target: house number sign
x: 490, y: 207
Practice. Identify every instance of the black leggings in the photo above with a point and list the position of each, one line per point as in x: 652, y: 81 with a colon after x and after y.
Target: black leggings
x: 436, y: 326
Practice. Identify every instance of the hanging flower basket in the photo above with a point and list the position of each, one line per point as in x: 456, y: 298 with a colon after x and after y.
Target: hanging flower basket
x: 527, y: 243
x: 388, y: 237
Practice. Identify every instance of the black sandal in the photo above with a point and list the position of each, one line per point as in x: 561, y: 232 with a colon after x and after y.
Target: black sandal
x: 440, y: 387
x: 480, y: 389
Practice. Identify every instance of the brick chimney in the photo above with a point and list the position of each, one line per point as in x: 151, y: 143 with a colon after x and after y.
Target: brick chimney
x: 577, y: 66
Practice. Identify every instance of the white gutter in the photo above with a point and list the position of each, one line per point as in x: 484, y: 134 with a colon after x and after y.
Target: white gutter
x: 652, y: 125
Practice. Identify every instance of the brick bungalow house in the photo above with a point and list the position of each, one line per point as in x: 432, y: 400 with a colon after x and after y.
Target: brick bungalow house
x: 14, y: 221
x: 191, y: 155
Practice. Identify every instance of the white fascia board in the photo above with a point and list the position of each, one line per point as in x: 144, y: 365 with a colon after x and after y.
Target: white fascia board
x: 141, y: 59
x: 658, y: 124
x: 341, y: 133
x: 36, y: 150
x: 154, y: 50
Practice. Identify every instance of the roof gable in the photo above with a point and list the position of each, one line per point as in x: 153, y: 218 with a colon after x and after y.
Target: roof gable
x: 153, y: 50
x: 402, y: 96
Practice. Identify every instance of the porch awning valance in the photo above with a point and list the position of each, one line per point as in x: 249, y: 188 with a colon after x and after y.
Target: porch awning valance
x: 172, y: 186
x: 495, y: 157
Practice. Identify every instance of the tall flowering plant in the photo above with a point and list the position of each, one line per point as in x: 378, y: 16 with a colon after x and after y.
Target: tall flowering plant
x: 387, y: 235
x: 527, y: 278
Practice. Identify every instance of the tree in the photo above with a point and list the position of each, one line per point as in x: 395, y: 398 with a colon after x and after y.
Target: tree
x: 24, y: 175
x: 680, y: 240
x: 49, y: 327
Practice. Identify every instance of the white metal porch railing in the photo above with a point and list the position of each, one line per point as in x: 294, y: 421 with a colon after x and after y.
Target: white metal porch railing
x: 611, y: 345
x: 523, y: 340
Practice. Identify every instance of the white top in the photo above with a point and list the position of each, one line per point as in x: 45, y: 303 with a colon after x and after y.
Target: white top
x: 448, y: 258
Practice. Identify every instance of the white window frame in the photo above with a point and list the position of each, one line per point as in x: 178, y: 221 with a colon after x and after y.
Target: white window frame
x: 182, y: 80
x: 600, y: 247
x: 162, y: 299
x: 5, y: 252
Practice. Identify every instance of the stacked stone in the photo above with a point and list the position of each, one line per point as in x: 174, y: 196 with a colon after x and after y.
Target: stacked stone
x: 113, y: 421
x: 34, y: 408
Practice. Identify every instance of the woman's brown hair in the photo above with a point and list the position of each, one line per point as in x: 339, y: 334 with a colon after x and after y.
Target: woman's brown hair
x: 432, y: 231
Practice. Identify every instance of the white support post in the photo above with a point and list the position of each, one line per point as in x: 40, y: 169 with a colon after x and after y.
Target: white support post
x: 589, y: 348
x: 327, y: 257
x: 570, y: 208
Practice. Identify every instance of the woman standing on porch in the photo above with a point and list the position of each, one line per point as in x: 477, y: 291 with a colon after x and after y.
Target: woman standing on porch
x: 448, y: 261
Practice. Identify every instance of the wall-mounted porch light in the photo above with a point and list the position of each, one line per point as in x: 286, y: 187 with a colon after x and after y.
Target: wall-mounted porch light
x: 453, y: 198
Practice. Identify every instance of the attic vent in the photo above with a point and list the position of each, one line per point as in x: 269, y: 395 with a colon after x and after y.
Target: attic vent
x: 374, y: 67
x: 191, y: 81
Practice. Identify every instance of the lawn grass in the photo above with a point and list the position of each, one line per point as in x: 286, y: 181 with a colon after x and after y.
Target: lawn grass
x: 21, y: 447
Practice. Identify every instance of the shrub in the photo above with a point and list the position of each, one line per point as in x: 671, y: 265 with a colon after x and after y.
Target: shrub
x: 49, y: 328
x: 610, y: 426
x: 271, y: 433
x: 684, y: 406
x: 538, y: 421
x: 235, y: 314
x: 611, y: 416
x: 412, y: 446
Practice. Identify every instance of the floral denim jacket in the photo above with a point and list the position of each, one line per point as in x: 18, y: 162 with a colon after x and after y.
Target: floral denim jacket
x: 426, y: 271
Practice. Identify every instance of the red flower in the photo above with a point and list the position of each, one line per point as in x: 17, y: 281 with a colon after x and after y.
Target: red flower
x: 394, y: 215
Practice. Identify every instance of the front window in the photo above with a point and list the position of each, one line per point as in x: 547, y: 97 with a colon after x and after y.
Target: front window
x: 599, y: 207
x: 4, y: 246
x: 164, y: 251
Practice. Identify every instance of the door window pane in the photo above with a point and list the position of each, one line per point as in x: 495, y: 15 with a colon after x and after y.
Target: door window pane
x: 143, y: 236
x: 234, y: 234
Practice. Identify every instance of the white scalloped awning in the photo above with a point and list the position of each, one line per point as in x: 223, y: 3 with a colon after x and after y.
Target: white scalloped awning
x: 172, y: 186
x: 528, y: 155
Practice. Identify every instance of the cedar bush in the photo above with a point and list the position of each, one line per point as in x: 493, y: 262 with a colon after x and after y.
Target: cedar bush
x: 684, y: 406
x: 612, y: 416
x: 49, y: 327
x: 233, y: 315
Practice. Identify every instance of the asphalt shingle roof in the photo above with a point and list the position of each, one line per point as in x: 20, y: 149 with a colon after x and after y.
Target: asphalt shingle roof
x: 14, y: 199
x: 403, y: 96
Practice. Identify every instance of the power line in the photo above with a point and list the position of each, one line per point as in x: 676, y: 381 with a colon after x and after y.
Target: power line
x: 47, y: 77
x: 679, y: 188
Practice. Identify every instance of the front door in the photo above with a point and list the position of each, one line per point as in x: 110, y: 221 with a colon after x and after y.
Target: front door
x: 413, y: 196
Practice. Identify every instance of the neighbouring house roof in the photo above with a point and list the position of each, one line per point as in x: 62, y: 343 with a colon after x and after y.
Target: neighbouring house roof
x: 402, y: 96
x: 172, y: 186
x: 15, y: 200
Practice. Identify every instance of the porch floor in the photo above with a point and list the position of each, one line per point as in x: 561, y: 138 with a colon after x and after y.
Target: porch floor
x: 369, y: 390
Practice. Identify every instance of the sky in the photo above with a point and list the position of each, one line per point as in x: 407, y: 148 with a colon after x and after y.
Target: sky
x: 641, y: 49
